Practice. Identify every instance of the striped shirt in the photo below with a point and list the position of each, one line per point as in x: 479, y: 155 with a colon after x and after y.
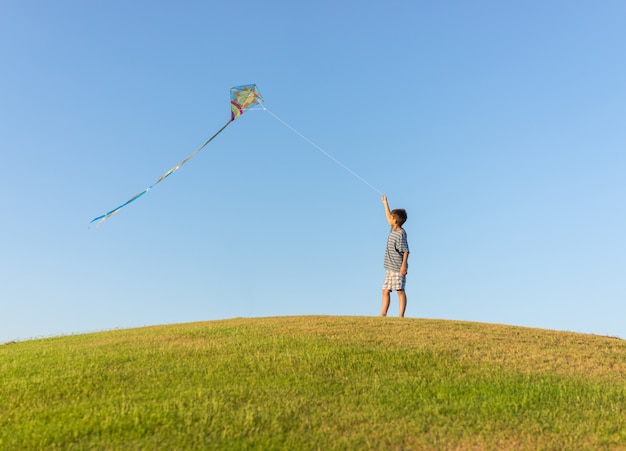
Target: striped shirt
x: 397, y: 245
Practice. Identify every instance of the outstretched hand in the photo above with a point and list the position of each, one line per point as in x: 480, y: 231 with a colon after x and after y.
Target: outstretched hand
x: 388, y: 211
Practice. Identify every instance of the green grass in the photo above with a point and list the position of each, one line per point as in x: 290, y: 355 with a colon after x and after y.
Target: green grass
x: 315, y: 383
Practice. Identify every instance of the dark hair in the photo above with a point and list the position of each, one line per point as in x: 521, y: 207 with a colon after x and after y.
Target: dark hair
x: 400, y: 215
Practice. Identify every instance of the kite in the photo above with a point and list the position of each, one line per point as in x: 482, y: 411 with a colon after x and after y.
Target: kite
x: 241, y: 99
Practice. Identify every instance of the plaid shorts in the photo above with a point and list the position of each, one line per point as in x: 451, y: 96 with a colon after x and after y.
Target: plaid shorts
x: 394, y: 281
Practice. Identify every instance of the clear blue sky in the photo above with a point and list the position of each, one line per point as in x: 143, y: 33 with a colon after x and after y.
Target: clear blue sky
x: 499, y: 126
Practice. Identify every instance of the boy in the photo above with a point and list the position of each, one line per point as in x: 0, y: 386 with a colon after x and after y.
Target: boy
x: 396, y: 258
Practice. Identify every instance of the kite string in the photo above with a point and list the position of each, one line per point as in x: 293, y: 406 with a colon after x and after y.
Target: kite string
x: 323, y: 151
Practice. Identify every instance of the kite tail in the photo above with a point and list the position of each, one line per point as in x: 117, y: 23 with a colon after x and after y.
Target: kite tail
x: 106, y: 216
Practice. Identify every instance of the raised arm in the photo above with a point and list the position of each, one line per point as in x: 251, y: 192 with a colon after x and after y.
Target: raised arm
x: 387, y: 211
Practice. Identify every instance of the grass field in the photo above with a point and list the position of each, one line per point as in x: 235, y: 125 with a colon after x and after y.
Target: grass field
x: 303, y: 383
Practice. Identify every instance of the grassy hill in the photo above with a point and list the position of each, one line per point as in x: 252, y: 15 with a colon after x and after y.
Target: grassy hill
x: 315, y: 383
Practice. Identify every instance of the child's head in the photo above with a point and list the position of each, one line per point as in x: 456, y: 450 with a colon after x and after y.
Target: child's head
x: 399, y: 214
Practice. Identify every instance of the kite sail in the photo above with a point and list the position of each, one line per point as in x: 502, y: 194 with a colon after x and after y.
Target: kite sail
x: 241, y: 99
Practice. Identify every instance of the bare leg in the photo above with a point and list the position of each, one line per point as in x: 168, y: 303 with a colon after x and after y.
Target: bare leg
x: 386, y: 300
x: 402, y: 300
